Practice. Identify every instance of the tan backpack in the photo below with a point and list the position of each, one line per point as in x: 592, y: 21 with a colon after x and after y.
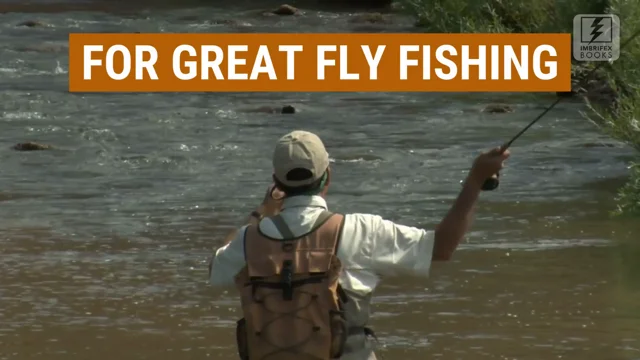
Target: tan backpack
x: 290, y: 296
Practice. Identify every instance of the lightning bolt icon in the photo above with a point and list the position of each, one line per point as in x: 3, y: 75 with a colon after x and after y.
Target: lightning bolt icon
x: 595, y: 29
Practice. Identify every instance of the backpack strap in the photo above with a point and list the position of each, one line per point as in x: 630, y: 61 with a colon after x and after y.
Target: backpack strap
x: 286, y: 232
x: 322, y: 218
x: 282, y: 227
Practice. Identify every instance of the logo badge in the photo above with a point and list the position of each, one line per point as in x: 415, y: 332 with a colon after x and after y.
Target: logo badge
x: 596, y: 37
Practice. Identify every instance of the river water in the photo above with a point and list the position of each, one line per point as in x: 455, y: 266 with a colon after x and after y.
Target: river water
x: 105, y: 241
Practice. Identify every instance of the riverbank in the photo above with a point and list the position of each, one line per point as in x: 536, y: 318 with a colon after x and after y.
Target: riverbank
x: 611, y: 95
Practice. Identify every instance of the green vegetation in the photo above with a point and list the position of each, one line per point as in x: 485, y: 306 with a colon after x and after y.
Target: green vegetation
x: 622, y: 121
x: 617, y: 115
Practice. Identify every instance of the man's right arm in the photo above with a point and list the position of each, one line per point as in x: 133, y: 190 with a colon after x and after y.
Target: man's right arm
x: 450, y: 232
x: 456, y: 223
x: 388, y: 248
x: 384, y: 247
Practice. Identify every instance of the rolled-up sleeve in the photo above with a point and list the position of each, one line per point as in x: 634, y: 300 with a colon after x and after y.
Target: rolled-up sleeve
x: 385, y: 247
x: 228, y: 261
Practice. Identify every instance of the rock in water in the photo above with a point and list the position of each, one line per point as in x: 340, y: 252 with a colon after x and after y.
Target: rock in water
x: 30, y: 146
x: 497, y: 109
x: 286, y: 10
x: 31, y: 23
x: 566, y: 94
x: 288, y: 109
x: 370, y: 18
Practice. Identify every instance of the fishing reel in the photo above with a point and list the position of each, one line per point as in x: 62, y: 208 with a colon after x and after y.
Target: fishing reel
x: 491, y: 183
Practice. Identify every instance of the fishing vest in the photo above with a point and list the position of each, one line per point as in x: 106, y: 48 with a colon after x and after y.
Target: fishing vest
x: 293, y: 305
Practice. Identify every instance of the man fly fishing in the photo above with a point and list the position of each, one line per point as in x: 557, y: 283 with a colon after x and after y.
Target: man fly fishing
x: 306, y: 275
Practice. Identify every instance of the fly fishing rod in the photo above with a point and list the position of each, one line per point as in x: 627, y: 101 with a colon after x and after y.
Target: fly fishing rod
x: 492, y: 183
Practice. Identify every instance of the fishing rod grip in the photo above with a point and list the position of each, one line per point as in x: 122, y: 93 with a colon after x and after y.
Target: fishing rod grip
x: 493, y: 182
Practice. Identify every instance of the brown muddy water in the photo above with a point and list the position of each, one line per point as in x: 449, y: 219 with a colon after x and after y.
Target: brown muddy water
x: 104, y: 242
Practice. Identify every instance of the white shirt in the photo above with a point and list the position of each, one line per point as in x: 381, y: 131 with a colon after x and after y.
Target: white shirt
x: 370, y: 247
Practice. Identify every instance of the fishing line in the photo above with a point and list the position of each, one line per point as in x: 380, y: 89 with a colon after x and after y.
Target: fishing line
x: 493, y: 182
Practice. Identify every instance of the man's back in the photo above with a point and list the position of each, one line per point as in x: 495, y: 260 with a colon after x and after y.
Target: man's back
x: 369, y: 247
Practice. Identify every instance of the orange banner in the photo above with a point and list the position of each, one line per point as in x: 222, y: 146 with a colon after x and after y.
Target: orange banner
x: 319, y: 62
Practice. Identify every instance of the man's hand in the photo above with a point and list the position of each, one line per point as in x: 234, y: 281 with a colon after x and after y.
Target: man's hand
x: 272, y: 201
x: 487, y: 165
x: 270, y: 206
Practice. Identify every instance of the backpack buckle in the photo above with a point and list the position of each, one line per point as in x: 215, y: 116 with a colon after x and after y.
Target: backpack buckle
x: 286, y: 279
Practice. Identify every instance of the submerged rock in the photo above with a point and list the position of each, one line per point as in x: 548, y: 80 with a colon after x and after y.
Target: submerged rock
x: 231, y: 22
x: 44, y: 48
x: 370, y: 18
x: 287, y: 109
x: 498, y: 109
x: 189, y: 18
x: 198, y: 19
x: 31, y: 146
x: 285, y: 10
x: 597, y: 145
x: 32, y: 23
x: 566, y: 94
x: 358, y: 5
